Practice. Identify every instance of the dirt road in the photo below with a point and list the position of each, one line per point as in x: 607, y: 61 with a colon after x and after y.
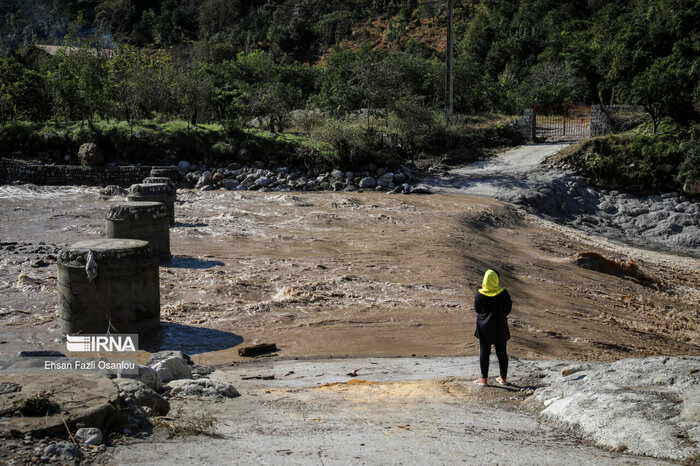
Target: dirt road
x: 514, y: 170
x: 396, y: 411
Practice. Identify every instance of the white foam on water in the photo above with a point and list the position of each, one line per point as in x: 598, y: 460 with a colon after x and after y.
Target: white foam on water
x: 34, y: 192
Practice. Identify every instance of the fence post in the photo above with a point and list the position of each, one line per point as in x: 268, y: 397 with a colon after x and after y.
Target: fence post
x: 564, y: 129
x: 534, y: 122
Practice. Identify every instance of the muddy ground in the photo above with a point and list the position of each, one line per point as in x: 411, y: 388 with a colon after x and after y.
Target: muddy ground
x: 334, y: 274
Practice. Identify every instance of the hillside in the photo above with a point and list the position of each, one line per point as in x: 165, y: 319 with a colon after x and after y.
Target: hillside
x: 356, y: 81
x: 512, y: 53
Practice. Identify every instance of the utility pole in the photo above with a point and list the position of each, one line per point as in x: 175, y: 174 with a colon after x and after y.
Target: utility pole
x: 449, y: 70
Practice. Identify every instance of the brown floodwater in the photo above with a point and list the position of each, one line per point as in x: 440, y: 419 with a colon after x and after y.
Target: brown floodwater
x: 337, y: 274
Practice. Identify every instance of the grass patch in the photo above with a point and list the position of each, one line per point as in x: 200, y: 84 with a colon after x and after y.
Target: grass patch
x: 147, y: 141
x: 324, y: 145
x: 638, y: 161
x: 38, y: 405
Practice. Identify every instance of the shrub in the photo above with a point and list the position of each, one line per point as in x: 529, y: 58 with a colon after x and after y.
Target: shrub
x: 689, y: 169
x: 639, y: 163
x: 418, y: 126
x: 308, y: 119
x: 223, y: 149
x: 354, y: 146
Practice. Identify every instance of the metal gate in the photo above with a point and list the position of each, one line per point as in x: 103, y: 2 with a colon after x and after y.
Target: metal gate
x: 561, y: 122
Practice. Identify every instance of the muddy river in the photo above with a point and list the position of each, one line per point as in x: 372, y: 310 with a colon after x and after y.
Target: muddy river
x: 337, y: 274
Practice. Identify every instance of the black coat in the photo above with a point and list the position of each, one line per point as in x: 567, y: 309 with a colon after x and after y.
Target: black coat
x: 491, y: 321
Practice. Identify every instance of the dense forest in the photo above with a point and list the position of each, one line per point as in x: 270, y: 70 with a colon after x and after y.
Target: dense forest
x: 232, y: 61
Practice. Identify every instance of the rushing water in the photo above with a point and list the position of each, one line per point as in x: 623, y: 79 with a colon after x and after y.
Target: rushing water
x: 316, y: 273
x: 252, y: 258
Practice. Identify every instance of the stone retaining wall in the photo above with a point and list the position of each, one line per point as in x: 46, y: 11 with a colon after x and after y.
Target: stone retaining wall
x: 525, y: 123
x: 63, y: 175
x: 609, y: 119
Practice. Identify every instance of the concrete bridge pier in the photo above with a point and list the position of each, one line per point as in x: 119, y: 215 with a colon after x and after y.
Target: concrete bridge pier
x: 155, y: 192
x: 108, y: 285
x: 147, y: 221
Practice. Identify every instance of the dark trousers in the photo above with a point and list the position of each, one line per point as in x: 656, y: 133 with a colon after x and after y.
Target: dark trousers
x: 485, y: 354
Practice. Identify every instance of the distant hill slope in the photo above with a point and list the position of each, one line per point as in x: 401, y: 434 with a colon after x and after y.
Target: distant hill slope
x: 542, y: 51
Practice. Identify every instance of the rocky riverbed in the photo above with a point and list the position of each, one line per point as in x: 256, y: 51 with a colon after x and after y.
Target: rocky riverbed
x: 259, y: 177
x: 522, y: 176
x: 667, y: 222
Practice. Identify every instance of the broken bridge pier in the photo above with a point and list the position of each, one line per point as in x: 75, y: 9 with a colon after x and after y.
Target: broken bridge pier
x: 147, y: 221
x: 159, y: 180
x: 155, y: 192
x: 108, y: 285
x: 169, y: 171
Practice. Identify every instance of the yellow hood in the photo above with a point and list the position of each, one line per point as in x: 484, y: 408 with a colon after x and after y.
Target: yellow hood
x: 489, y: 287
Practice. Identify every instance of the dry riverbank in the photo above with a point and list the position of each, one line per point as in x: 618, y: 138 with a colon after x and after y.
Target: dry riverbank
x: 428, y: 411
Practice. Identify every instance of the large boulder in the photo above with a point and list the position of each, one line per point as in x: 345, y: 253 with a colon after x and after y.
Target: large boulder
x: 145, y: 374
x: 86, y: 399
x: 386, y: 181
x: 62, y: 451
x: 641, y: 406
x: 204, y: 180
x: 89, y: 436
x: 262, y: 182
x: 138, y: 393
x: 201, y: 388
x: 90, y: 154
x: 692, y: 188
x: 421, y: 189
x: 368, y: 182
x: 163, y: 355
x: 229, y: 183
x: 172, y: 368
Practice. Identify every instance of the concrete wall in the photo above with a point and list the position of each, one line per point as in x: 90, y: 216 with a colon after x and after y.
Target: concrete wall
x: 64, y: 175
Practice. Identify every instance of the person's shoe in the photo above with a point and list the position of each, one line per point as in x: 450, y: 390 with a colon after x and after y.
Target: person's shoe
x: 501, y: 380
x: 482, y: 381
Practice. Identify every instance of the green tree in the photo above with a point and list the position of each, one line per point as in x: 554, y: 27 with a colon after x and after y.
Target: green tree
x: 138, y: 84
x: 274, y: 100
x: 217, y: 18
x: 469, y: 85
x: 418, y: 126
x: 21, y: 92
x: 663, y: 87
x: 374, y: 81
x: 552, y: 83
x: 77, y: 78
x: 192, y: 88
x: 116, y: 17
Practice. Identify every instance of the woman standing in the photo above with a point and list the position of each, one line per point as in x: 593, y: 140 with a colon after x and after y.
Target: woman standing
x: 492, y: 305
